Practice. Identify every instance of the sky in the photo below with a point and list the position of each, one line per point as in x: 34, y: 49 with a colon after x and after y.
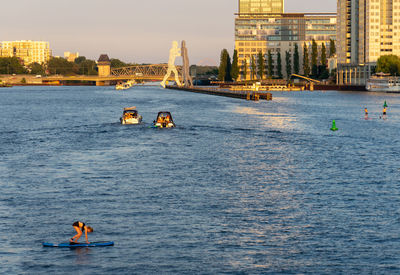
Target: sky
x: 136, y: 31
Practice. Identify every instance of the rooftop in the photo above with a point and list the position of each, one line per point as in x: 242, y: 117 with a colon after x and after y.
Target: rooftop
x: 104, y: 58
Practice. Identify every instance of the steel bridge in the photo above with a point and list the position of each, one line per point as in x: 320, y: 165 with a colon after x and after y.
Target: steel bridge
x: 138, y: 73
x: 144, y: 72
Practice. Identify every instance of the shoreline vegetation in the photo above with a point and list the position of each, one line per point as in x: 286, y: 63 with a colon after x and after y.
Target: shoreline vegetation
x: 55, y: 66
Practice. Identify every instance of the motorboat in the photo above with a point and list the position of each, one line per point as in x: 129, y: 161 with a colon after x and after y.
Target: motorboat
x: 130, y: 116
x: 382, y: 82
x: 124, y: 85
x: 164, y: 120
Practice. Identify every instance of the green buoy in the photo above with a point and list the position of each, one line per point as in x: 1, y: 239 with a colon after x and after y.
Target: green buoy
x: 334, y: 126
x: 385, y: 105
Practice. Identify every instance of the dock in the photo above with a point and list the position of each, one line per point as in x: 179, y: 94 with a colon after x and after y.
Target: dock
x: 247, y: 95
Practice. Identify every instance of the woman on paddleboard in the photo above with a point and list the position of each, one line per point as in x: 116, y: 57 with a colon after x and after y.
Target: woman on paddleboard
x: 80, y: 227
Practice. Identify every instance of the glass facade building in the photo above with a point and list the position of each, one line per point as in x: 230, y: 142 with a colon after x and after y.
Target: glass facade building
x: 280, y: 33
x: 286, y: 27
x: 261, y: 6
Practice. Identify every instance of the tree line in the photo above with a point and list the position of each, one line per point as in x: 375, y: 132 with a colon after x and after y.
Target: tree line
x: 314, y: 65
x: 56, y: 65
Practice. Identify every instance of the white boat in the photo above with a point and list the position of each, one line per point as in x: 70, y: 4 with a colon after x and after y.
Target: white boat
x: 130, y: 116
x: 382, y: 82
x: 124, y: 85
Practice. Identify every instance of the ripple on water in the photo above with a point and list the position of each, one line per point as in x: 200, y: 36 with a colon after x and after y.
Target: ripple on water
x: 237, y: 187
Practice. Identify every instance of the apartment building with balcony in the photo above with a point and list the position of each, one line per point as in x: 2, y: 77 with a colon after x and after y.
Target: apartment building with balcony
x: 26, y: 50
x: 367, y: 29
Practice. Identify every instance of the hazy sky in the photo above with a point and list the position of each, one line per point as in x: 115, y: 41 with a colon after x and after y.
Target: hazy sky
x: 132, y: 30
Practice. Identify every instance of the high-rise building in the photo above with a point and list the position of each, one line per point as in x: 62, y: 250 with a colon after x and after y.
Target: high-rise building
x: 28, y: 51
x: 279, y: 33
x: 261, y: 6
x: 367, y: 29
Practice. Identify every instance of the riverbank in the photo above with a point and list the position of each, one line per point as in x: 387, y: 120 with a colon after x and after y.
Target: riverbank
x: 37, y: 80
x: 248, y: 95
x: 21, y: 79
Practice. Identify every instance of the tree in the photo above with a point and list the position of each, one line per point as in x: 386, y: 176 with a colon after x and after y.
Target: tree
x: 323, y: 71
x: 288, y: 60
x: 389, y: 64
x: 80, y: 59
x: 228, y: 68
x: 261, y: 65
x: 225, y: 66
x: 235, y: 66
x: 279, y: 65
x: 11, y: 65
x: 296, y: 59
x: 116, y: 63
x: 244, y: 72
x: 270, y: 65
x: 332, y: 48
x: 314, y: 58
x: 88, y: 67
x: 306, y: 61
x: 253, y: 67
x: 36, y: 68
x: 324, y: 60
x: 58, y: 65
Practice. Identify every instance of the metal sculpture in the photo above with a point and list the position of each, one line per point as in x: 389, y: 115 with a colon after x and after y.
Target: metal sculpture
x: 187, y: 79
x: 174, y: 52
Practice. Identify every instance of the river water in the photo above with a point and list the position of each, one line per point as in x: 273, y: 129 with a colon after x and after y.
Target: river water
x: 238, y: 187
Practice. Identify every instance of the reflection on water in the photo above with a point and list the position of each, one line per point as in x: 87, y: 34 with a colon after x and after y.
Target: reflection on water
x: 274, y: 120
x: 82, y: 255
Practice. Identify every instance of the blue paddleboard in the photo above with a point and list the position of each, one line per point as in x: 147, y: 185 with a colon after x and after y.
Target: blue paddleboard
x: 71, y: 245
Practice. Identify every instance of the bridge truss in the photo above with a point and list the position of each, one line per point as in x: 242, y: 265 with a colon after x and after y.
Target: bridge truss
x: 158, y: 71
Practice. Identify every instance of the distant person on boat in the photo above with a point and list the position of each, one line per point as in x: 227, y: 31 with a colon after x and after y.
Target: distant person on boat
x: 80, y: 227
x: 366, y: 113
